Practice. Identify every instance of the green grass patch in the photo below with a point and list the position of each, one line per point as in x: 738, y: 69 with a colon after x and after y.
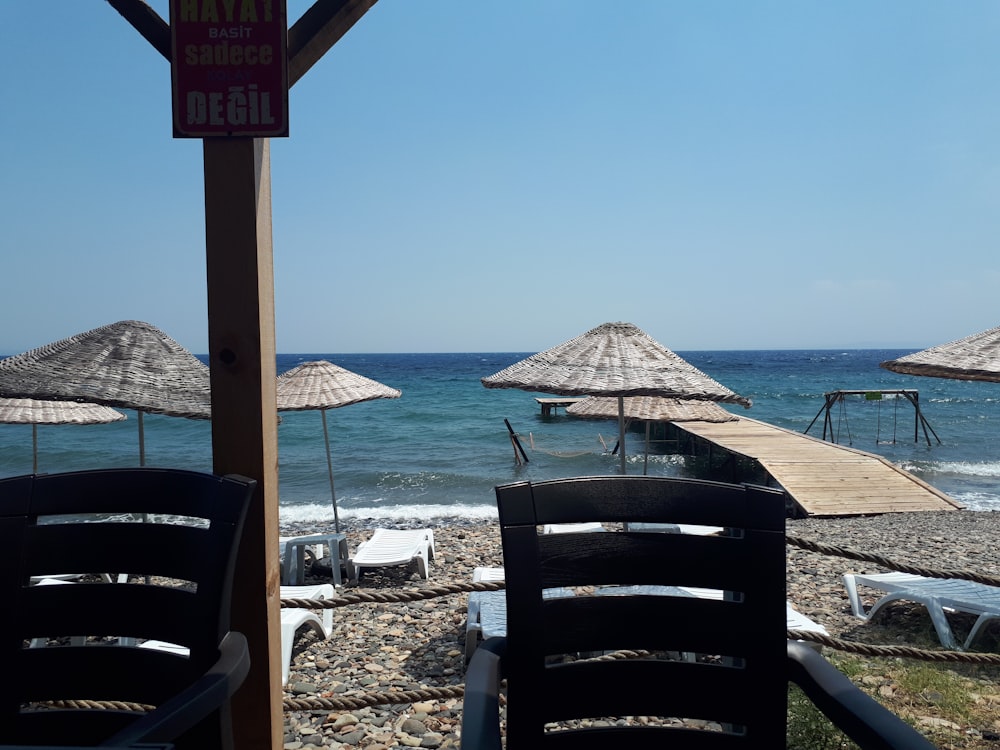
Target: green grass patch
x: 937, y: 687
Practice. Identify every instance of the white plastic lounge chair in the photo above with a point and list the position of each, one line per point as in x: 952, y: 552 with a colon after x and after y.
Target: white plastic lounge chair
x: 487, y: 610
x: 293, y: 619
x: 673, y: 528
x: 318, y: 591
x: 473, y: 623
x: 570, y: 528
x: 794, y: 620
x: 487, y: 574
x: 74, y: 577
x: 394, y: 547
x: 938, y: 595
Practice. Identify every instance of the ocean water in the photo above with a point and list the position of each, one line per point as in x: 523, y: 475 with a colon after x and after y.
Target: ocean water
x: 441, y: 448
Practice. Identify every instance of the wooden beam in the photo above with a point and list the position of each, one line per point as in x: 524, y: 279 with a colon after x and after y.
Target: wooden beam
x: 147, y: 22
x: 309, y: 38
x: 318, y: 30
x: 244, y: 409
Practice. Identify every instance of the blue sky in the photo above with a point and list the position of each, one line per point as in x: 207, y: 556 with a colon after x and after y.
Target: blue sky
x: 464, y: 175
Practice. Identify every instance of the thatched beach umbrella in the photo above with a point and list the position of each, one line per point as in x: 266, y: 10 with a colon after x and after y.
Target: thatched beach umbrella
x: 129, y: 365
x: 323, y: 385
x: 34, y: 412
x: 614, y: 359
x: 975, y: 357
x: 651, y: 409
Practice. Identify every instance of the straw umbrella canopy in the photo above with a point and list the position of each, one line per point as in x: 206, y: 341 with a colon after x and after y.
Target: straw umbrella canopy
x: 651, y: 409
x: 129, y: 364
x: 33, y: 412
x: 323, y: 385
x: 614, y: 359
x: 975, y: 357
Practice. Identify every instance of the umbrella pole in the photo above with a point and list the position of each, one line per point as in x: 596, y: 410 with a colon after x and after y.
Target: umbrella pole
x: 142, y: 462
x: 329, y: 469
x: 34, y: 448
x: 645, y: 464
x: 621, y: 432
x: 142, y: 440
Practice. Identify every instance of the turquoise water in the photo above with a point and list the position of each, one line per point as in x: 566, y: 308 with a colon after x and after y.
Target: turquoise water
x: 442, y: 446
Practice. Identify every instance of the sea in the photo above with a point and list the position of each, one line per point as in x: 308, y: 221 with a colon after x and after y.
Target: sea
x: 440, y: 449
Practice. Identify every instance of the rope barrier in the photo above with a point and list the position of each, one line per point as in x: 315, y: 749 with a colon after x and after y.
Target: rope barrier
x: 890, y: 652
x: 806, y: 544
x: 106, y: 705
x: 432, y: 592
x: 829, y: 549
x: 352, y: 703
x: 348, y: 703
x: 389, y: 597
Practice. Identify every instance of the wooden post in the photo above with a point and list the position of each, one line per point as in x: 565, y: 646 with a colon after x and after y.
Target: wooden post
x: 244, y: 408
x: 242, y: 354
x: 516, y: 443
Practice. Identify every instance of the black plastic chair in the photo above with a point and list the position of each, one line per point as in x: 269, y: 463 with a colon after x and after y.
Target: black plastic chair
x: 178, y: 530
x: 723, y: 661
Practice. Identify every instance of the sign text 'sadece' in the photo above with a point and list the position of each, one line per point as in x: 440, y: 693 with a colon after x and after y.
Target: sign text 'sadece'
x: 229, y: 68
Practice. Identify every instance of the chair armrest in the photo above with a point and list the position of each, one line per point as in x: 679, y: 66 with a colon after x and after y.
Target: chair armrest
x: 207, y: 694
x: 481, y: 704
x: 855, y: 713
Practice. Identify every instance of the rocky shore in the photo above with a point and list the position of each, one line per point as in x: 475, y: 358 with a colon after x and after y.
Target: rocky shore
x: 419, y: 645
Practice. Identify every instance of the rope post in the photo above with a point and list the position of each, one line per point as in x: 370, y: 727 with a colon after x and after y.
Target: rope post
x: 516, y: 443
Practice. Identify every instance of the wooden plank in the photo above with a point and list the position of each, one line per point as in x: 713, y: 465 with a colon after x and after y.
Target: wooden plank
x: 319, y: 28
x: 823, y: 478
x: 147, y: 22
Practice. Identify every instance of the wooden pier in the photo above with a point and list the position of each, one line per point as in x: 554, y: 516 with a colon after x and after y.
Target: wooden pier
x: 822, y: 478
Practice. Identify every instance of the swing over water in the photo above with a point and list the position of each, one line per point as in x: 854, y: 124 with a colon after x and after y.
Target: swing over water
x: 439, y: 450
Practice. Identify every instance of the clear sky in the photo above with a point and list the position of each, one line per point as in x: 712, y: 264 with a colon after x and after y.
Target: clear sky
x: 465, y: 175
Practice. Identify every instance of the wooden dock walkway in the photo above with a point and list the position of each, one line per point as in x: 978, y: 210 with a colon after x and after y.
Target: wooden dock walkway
x: 823, y: 479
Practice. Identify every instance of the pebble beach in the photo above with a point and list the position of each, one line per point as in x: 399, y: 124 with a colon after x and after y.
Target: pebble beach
x: 381, y: 647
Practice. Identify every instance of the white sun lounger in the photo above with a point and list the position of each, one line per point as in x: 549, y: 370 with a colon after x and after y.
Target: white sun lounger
x: 293, y: 619
x: 794, y: 620
x: 673, y: 528
x: 487, y: 610
x: 938, y: 595
x: 570, y: 528
x: 666, y: 528
x: 394, y: 547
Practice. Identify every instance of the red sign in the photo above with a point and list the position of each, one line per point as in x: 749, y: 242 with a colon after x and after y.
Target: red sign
x: 229, y: 68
